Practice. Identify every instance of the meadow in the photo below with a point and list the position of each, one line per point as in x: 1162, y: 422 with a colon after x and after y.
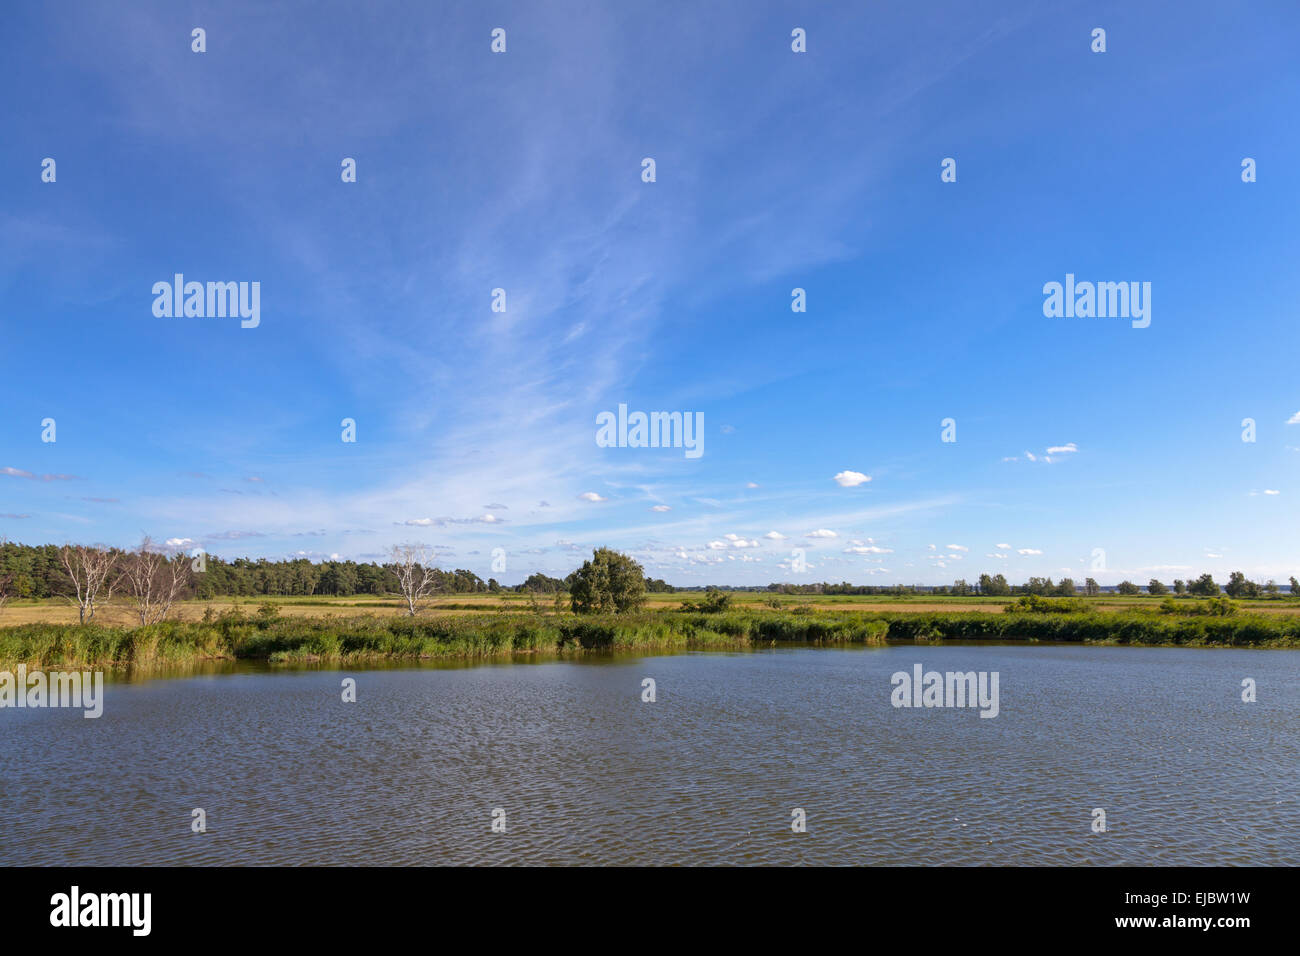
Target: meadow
x: 61, y: 611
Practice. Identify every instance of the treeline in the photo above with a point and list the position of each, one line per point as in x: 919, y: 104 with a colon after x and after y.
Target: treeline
x: 37, y: 571
x: 996, y: 585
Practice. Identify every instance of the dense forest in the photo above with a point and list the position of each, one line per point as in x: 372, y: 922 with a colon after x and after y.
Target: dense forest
x: 36, y: 571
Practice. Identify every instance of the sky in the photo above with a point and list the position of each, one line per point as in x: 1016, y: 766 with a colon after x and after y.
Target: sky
x: 1084, y: 446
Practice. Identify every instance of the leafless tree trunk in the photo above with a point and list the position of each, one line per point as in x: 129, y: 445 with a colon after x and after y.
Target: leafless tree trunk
x: 415, y: 576
x: 89, y: 570
x: 154, y: 580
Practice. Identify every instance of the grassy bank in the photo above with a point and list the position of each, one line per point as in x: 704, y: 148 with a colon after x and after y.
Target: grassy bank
x: 233, y: 636
x: 359, y: 639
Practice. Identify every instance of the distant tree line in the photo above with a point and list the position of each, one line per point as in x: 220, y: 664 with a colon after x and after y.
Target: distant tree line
x: 39, y: 571
x: 996, y: 585
x: 45, y: 571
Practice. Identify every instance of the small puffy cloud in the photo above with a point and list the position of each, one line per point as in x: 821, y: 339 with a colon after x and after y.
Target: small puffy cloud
x: 179, y: 542
x: 419, y: 522
x: 738, y: 542
x: 822, y: 533
x: 488, y: 519
x: 1271, y: 491
x: 255, y: 479
x: 19, y: 473
x: 717, y: 545
x: 1003, y: 547
x: 851, y: 479
x: 1294, y: 419
x: 956, y: 547
x: 751, y: 484
x: 591, y: 496
x: 661, y: 508
x: 1030, y: 455
x: 866, y: 547
x: 1065, y: 449
x: 774, y: 536
x: 1028, y: 551
x: 930, y: 547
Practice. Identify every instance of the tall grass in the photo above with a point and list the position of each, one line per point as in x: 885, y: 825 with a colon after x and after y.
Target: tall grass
x: 362, y: 638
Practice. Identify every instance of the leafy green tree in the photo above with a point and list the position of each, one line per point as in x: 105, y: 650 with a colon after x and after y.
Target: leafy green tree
x: 995, y: 586
x: 714, y: 602
x: 1091, y: 588
x: 1295, y: 586
x: 1066, y: 588
x: 1155, y: 587
x: 1128, y: 587
x: 1239, y: 587
x: 1180, y: 586
x: 1204, y: 586
x: 539, y: 582
x: 609, y: 583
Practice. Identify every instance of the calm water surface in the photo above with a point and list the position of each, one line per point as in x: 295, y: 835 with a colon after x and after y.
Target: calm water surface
x: 709, y: 774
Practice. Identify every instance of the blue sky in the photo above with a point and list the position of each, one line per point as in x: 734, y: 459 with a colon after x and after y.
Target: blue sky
x: 774, y: 170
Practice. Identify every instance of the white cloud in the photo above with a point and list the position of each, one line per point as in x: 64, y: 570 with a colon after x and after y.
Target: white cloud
x: 1271, y: 491
x: 661, y: 508
x: 591, y: 496
x: 774, y: 536
x: 822, y: 533
x: 1003, y: 547
x: 1294, y: 419
x: 956, y: 547
x: 1028, y: 551
x: 1063, y: 449
x: 851, y: 479
x: 752, y: 484
x: 179, y: 542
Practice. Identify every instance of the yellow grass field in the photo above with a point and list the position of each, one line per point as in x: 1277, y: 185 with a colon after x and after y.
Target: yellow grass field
x: 57, y: 611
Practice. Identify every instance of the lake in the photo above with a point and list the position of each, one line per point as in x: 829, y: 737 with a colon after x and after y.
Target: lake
x: 709, y: 773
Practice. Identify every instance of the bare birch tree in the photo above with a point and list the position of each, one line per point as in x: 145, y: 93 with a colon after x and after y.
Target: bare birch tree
x: 155, y: 580
x: 415, y: 576
x: 89, y: 569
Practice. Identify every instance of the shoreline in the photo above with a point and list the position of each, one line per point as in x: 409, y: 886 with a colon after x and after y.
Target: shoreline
x: 369, y: 639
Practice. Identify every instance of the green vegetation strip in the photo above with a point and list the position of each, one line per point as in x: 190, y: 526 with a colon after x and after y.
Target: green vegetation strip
x: 234, y: 636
